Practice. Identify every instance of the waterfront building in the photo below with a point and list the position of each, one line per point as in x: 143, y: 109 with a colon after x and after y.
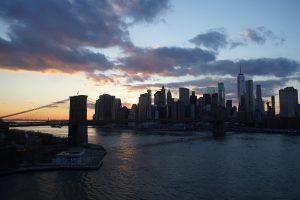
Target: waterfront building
x: 103, y: 107
x: 116, y: 109
x: 124, y: 113
x: 288, y: 100
x: 133, y: 115
x: 221, y: 94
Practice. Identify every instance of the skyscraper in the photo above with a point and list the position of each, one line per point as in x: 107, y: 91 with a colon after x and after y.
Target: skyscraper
x: 169, y: 98
x: 103, y: 107
x: 193, y: 99
x: 259, y: 105
x: 163, y: 95
x: 149, y: 103
x: 144, y: 106
x: 273, y: 104
x: 116, y: 109
x: 160, y: 102
x: 170, y: 101
x: 184, y: 95
x: 240, y: 85
x: 221, y: 94
x: 249, y: 98
x: 160, y: 97
x: 214, y: 101
x: 288, y: 100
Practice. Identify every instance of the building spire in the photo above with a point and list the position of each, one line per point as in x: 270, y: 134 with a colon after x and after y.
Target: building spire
x: 240, y: 68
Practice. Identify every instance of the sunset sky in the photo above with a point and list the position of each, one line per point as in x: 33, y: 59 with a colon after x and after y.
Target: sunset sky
x: 51, y: 49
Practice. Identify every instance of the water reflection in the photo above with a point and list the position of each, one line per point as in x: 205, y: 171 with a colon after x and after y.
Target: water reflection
x: 158, y: 165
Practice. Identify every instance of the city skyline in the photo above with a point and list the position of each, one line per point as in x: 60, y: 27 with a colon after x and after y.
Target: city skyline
x: 146, y: 46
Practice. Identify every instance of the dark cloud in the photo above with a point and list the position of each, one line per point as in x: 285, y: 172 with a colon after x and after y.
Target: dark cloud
x: 53, y: 35
x: 279, y: 67
x: 165, y: 60
x: 261, y: 34
x: 175, y: 61
x: 141, y: 10
x: 214, y: 39
x: 99, y: 79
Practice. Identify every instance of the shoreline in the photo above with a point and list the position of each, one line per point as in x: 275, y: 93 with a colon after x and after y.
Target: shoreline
x: 92, y: 160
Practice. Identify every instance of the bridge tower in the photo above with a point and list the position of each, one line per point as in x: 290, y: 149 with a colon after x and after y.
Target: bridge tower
x: 77, y: 133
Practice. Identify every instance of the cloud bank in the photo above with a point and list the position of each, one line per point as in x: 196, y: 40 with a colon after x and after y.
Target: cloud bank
x: 53, y: 35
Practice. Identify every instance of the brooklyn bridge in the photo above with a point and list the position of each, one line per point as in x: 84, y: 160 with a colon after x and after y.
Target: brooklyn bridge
x: 77, y: 121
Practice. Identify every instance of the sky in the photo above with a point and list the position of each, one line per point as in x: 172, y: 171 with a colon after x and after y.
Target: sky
x: 50, y: 50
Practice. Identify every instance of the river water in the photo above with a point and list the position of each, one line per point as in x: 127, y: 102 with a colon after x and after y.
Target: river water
x: 162, y: 165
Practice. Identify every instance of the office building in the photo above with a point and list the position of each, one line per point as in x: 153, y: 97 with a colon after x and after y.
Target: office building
x: 240, y: 85
x: 144, y: 106
x: 259, y: 105
x: 133, y: 115
x: 169, y: 97
x: 273, y: 105
x: 103, y: 107
x: 160, y: 97
x: 116, y: 110
x: 221, y: 94
x: 193, y: 99
x: 288, y: 100
x: 184, y: 95
x: 170, y: 101
x: 214, y: 101
x: 249, y: 98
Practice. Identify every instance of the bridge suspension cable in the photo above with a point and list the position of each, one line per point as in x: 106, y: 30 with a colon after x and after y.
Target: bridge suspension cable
x: 92, y: 101
x: 34, y: 109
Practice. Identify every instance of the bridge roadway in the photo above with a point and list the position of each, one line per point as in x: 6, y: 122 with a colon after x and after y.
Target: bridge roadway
x: 58, y: 123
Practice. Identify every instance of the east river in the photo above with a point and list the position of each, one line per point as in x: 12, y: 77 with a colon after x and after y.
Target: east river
x: 167, y: 165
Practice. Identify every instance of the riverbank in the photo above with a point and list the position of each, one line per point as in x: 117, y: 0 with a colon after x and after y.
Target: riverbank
x: 92, y: 159
x: 27, y: 151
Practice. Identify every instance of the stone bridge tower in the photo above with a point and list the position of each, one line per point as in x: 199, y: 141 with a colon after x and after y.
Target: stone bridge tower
x: 77, y: 133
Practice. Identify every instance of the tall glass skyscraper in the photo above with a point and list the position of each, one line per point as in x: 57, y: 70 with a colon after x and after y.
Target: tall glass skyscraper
x: 221, y: 94
x: 240, y: 85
